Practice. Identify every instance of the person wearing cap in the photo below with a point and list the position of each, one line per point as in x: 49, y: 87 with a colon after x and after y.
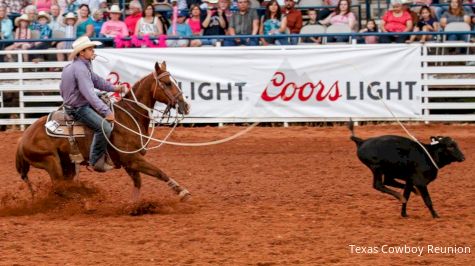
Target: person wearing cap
x: 182, y: 30
x: 294, y: 19
x: 82, y: 103
x: 114, y: 27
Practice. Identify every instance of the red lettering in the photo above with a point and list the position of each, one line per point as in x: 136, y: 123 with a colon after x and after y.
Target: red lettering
x: 286, y: 90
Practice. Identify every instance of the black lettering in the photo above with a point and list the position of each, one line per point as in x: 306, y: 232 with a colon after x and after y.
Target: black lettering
x: 240, y: 85
x: 209, y: 95
x: 390, y: 90
x: 348, y: 92
x: 375, y: 85
x: 410, y: 84
x: 219, y: 91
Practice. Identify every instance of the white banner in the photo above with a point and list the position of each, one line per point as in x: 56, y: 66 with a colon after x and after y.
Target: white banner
x: 363, y: 81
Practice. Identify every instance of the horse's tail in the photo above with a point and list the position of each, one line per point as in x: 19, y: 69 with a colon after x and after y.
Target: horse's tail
x: 354, y: 138
x: 22, y: 166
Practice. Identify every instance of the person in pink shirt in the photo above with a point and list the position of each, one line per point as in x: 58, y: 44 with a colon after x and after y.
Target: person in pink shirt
x: 131, y: 20
x: 396, y: 20
x: 114, y: 27
x: 341, y: 16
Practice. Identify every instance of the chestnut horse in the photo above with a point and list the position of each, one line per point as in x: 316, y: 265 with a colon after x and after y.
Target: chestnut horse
x: 42, y: 151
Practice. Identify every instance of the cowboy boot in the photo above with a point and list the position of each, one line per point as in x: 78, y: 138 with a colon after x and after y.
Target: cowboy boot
x: 102, y: 166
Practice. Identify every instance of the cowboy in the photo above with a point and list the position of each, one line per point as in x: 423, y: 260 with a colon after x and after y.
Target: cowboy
x: 81, y: 102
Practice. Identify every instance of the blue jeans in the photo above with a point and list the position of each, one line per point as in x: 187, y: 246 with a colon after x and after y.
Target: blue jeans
x: 93, y: 120
x: 243, y: 41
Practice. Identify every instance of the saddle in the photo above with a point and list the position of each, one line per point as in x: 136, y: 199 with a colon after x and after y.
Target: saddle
x: 60, y: 124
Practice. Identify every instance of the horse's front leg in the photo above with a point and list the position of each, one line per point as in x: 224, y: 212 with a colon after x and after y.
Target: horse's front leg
x: 135, y: 175
x: 138, y: 164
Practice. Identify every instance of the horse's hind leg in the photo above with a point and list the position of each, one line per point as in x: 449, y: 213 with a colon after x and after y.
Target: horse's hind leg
x: 23, y: 167
x: 139, y: 164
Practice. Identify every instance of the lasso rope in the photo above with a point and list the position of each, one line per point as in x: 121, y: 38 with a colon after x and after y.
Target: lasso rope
x: 154, y: 123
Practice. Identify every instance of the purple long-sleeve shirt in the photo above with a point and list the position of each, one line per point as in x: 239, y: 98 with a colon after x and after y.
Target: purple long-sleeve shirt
x: 78, y: 83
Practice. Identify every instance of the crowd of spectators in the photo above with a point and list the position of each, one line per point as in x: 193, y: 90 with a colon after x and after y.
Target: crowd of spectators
x: 149, y: 26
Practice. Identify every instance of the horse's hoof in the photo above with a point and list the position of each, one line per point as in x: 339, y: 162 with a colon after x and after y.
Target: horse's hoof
x: 184, y: 195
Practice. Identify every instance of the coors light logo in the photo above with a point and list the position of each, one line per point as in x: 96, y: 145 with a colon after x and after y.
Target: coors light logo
x: 287, y: 85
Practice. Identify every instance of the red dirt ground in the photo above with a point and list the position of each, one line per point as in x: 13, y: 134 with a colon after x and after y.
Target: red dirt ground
x: 276, y: 196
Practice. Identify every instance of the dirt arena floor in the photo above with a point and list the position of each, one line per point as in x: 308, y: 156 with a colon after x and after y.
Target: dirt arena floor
x: 276, y: 196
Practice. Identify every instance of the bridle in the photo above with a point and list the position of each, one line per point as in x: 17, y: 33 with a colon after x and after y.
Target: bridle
x: 172, y: 98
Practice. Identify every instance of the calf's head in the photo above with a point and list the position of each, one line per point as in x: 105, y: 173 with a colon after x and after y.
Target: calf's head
x: 447, y: 149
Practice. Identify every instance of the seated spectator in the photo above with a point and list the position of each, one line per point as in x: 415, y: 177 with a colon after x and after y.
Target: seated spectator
x: 135, y: 11
x: 6, y: 26
x: 30, y: 11
x: 215, y: 23
x: 225, y: 5
x: 45, y: 32
x: 440, y: 10
x: 105, y: 10
x: 148, y: 26
x: 43, y: 5
x: 182, y: 30
x: 115, y: 28
x: 312, y: 20
x: 456, y: 13
x: 195, y: 24
x: 22, y: 32
x: 370, y: 27
x: 98, y: 21
x: 274, y: 24
x: 341, y: 16
x: 294, y: 20
x: 56, y: 23
x: 395, y: 20
x: 70, y: 20
x: 243, y: 22
x: 85, y: 24
x: 426, y: 22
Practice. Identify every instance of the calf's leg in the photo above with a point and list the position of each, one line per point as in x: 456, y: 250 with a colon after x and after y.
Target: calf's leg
x: 378, y: 185
x: 425, y: 195
x: 407, y: 193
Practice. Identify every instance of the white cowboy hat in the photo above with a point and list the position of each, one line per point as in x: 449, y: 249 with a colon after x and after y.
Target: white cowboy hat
x: 212, y: 1
x: 23, y: 17
x: 70, y: 15
x: 80, y: 44
x: 43, y: 14
x: 115, y: 9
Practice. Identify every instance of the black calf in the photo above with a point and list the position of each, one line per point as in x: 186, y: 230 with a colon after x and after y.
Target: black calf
x: 394, y: 157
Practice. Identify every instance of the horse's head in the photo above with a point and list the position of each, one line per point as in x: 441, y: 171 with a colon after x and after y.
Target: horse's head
x: 167, y: 90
